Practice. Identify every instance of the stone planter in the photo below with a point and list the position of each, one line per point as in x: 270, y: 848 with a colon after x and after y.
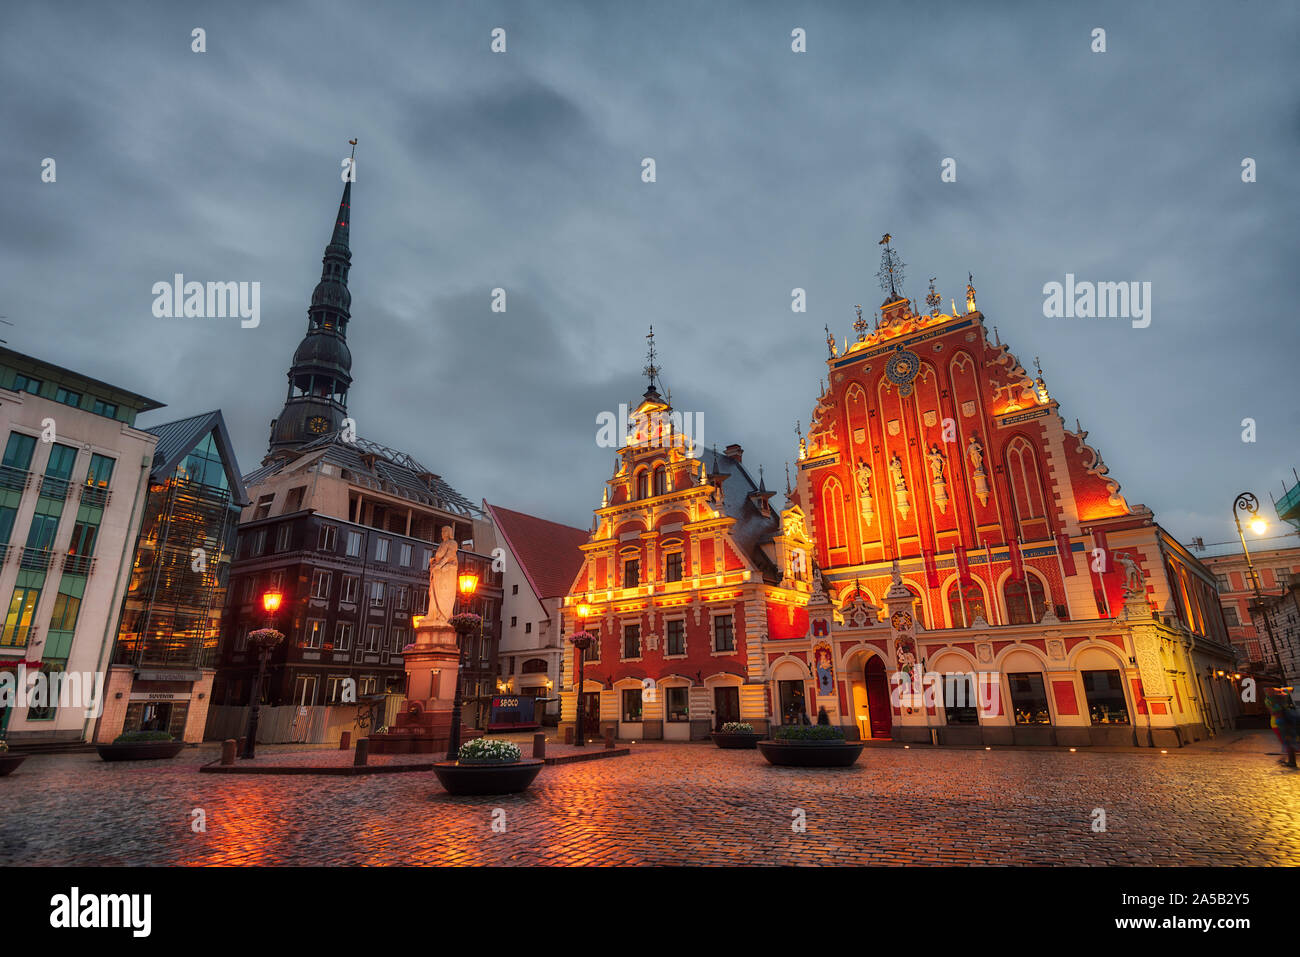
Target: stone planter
x: 811, y: 754
x: 140, y: 750
x: 736, y: 739
x: 8, y: 762
x: 494, y: 777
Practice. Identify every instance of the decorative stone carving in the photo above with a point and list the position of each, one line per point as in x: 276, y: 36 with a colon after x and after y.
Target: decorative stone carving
x: 901, y: 501
x: 864, y: 492
x: 1133, y: 579
x: 1056, y: 649
x: 442, y: 580
x: 984, y: 652
x: 976, y: 453
x: 939, y: 484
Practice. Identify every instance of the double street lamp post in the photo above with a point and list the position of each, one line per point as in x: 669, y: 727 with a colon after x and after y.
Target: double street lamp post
x: 1248, y: 503
x: 264, y: 639
x: 581, y: 642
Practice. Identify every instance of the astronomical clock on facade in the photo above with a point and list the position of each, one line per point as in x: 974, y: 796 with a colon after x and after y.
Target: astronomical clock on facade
x: 953, y: 565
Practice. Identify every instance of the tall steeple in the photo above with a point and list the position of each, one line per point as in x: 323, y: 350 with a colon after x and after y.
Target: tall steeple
x: 321, y: 372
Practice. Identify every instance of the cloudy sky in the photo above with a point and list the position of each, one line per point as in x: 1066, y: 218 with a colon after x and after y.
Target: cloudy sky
x: 775, y: 170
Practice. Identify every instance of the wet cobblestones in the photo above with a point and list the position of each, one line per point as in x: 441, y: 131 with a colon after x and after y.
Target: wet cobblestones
x: 672, y: 804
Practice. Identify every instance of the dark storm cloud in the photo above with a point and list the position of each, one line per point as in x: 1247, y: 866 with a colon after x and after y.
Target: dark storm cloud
x: 775, y: 171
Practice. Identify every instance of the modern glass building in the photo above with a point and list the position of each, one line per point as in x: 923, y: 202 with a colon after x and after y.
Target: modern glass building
x: 165, y: 651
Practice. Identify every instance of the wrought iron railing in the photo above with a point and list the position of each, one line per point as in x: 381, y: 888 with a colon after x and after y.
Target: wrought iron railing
x: 36, y: 559
x: 54, y: 487
x: 14, y: 479
x: 78, y: 564
x: 94, y: 495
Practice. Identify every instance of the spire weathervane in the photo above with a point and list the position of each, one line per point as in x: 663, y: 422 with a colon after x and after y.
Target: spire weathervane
x: 932, y: 298
x: 891, y: 270
x: 651, y: 370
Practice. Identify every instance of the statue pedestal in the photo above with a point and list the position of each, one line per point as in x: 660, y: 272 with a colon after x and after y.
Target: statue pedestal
x: 424, y: 727
x: 431, y: 666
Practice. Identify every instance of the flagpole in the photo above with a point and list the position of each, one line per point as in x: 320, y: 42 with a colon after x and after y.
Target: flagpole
x: 1105, y: 560
x: 988, y: 567
x: 1033, y: 612
x: 961, y: 588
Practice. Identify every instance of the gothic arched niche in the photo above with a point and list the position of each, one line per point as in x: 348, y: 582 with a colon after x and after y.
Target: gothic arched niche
x: 1025, y: 478
x: 834, y: 528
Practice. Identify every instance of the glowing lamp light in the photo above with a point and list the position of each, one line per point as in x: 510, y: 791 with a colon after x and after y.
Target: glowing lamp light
x: 271, y: 602
x: 468, y: 584
x: 584, y: 610
x: 1258, y: 526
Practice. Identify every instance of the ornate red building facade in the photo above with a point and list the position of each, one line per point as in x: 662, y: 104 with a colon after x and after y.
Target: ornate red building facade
x: 955, y: 566
x: 970, y: 542
x: 688, y: 569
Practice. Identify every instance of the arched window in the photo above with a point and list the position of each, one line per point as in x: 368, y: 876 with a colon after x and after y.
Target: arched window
x: 642, y: 484
x: 966, y: 603
x: 833, y: 514
x: 534, y: 666
x: 918, y: 607
x: 660, y: 481
x: 1026, y: 602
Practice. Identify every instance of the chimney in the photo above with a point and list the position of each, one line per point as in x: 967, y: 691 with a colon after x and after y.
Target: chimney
x: 733, y: 451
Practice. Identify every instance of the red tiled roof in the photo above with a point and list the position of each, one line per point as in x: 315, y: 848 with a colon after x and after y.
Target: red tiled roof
x: 548, y: 552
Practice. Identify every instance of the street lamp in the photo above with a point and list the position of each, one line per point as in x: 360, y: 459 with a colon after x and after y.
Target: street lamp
x: 264, y: 639
x: 581, y: 641
x: 1247, y: 502
x: 468, y: 584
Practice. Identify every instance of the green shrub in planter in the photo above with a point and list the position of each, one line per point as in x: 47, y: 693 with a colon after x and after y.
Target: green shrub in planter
x: 808, y: 732
x: 133, y: 737
x: 487, y: 750
x: 737, y: 727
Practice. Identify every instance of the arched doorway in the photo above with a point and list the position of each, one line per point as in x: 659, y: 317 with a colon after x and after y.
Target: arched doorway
x: 880, y: 716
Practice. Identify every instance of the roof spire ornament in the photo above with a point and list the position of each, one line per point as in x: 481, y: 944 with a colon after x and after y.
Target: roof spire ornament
x: 970, y: 293
x: 651, y: 370
x: 932, y: 298
x: 860, y: 325
x: 830, y: 341
x: 787, y: 479
x: 891, y: 271
x: 803, y: 445
x: 1040, y: 387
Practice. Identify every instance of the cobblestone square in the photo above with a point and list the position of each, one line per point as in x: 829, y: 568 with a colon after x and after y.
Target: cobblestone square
x: 1222, y: 804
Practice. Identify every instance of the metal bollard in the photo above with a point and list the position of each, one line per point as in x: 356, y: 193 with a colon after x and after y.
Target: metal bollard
x: 228, y: 751
x: 539, y: 745
x: 609, y: 739
x: 363, y: 752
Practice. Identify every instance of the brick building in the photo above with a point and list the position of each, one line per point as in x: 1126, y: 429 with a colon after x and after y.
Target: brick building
x: 344, y: 528
x: 1277, y: 568
x: 687, y: 570
x: 968, y: 540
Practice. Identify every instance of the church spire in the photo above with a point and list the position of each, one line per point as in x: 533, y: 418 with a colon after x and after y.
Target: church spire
x: 321, y: 371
